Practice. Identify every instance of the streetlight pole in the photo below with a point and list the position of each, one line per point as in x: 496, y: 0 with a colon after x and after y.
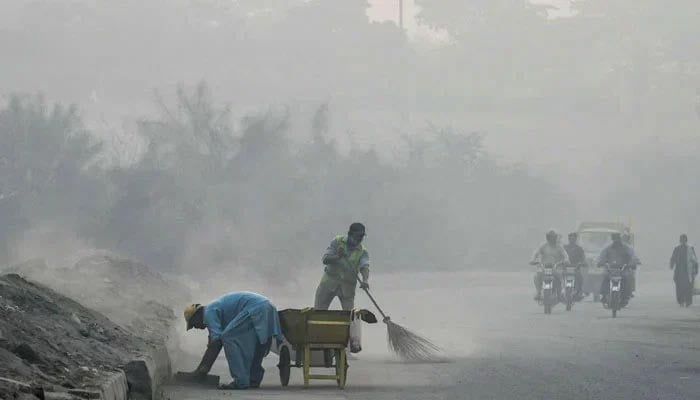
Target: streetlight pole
x: 401, y: 14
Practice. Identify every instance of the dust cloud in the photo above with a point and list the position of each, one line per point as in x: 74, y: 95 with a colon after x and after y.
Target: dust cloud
x: 225, y: 143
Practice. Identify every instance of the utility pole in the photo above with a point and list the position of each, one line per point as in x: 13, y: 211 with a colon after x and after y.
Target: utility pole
x: 401, y: 14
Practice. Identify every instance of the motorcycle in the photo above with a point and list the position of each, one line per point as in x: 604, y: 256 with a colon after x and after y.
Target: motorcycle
x: 570, y: 292
x: 617, y: 298
x: 550, y: 288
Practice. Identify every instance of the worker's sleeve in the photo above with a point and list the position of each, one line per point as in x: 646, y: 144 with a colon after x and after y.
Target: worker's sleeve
x: 564, y: 255
x: 693, y: 256
x: 213, y: 321
x: 364, y: 259
x: 537, y: 255
x: 364, y: 265
x: 330, y: 256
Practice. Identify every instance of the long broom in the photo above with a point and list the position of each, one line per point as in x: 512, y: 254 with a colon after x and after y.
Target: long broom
x: 404, y: 343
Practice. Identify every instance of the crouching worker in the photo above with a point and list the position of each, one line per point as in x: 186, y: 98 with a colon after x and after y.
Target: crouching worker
x: 244, y: 324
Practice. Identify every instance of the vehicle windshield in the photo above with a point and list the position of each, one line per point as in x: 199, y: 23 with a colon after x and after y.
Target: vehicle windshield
x: 594, y: 242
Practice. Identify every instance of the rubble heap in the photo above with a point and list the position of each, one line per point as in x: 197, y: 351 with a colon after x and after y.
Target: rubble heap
x: 128, y: 292
x: 50, y: 341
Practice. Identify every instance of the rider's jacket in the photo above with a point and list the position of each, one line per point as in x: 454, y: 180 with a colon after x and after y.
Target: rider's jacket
x: 550, y: 254
x: 576, y: 254
x: 617, y: 254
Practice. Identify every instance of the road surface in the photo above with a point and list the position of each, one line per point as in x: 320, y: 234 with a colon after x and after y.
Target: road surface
x: 502, y: 346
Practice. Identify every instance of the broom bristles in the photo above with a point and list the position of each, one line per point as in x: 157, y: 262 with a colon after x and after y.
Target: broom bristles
x: 411, y: 346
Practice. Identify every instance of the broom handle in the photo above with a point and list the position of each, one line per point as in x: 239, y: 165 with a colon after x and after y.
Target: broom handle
x: 373, y: 301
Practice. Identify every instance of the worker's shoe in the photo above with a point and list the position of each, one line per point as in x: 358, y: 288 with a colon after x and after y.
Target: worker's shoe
x: 233, y: 386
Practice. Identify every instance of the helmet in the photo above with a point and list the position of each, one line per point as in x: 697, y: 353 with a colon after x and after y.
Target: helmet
x: 190, y: 311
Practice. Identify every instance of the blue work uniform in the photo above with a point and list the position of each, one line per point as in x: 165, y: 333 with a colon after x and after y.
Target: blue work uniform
x: 245, y: 322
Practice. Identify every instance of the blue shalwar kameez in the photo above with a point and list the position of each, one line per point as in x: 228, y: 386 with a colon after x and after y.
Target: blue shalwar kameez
x: 245, y: 322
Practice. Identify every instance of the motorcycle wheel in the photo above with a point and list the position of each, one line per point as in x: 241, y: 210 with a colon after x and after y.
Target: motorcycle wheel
x: 547, y: 300
x: 569, y: 299
x: 614, y: 303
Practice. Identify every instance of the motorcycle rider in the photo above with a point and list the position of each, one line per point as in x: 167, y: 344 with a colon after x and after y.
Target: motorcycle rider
x: 551, y: 252
x: 618, y: 253
x: 577, y: 258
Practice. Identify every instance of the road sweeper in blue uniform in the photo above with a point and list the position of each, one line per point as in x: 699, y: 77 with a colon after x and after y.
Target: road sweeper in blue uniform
x: 244, y: 324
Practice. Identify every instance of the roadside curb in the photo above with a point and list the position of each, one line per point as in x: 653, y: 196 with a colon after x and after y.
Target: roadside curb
x: 147, y: 374
x: 115, y: 388
x: 11, y: 385
x: 141, y: 379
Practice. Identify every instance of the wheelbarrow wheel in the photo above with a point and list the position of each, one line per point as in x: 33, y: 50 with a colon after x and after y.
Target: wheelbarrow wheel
x: 285, y: 365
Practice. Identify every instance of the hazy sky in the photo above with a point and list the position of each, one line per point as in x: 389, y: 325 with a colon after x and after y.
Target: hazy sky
x: 388, y: 10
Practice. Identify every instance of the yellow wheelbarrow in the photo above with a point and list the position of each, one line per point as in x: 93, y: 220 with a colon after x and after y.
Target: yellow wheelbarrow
x: 314, y: 339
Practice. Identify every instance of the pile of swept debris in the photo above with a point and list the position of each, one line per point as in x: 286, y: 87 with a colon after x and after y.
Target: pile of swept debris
x: 77, y: 326
x: 128, y: 292
x: 51, y: 342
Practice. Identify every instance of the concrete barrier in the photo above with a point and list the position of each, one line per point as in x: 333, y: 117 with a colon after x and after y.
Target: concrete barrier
x: 141, y: 379
x: 116, y: 387
x: 147, y: 374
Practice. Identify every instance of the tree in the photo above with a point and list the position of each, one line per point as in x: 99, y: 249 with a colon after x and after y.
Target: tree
x: 46, y: 156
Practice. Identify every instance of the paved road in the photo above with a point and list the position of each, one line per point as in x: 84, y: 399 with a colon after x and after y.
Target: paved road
x: 503, y: 347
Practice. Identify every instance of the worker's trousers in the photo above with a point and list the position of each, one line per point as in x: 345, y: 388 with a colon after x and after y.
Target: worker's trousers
x: 245, y: 354
x: 684, y: 290
x: 325, y: 295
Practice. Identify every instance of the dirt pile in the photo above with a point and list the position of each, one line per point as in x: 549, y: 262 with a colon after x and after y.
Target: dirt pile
x: 51, y: 341
x: 128, y: 292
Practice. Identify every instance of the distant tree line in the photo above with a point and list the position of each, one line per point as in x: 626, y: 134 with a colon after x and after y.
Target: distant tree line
x: 213, y: 192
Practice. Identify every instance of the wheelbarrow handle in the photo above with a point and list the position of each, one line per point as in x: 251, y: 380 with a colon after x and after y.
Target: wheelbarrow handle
x: 384, y: 316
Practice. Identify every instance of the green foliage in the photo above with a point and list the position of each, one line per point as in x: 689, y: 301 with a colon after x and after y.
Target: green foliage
x: 209, y: 196
x: 44, y: 152
x: 268, y: 206
x: 45, y: 155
